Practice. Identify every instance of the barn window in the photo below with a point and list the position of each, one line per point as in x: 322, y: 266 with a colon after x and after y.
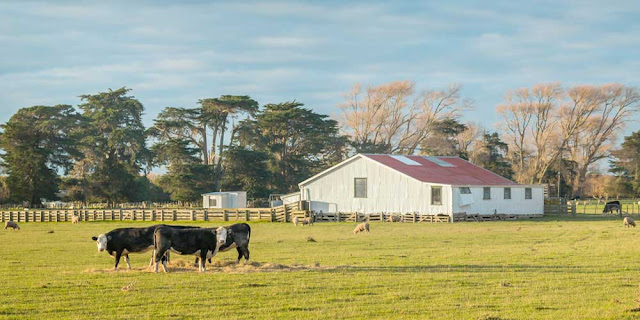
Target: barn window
x: 436, y: 196
x: 527, y: 193
x: 486, y: 193
x: 465, y: 190
x: 213, y: 202
x: 360, y: 188
x: 507, y: 193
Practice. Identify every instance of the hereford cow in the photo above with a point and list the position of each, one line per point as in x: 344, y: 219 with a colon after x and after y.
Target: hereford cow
x: 120, y: 242
x: 238, y: 236
x: 203, y: 242
x: 611, y: 206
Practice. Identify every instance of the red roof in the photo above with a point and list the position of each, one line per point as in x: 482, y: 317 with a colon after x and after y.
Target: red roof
x: 444, y: 170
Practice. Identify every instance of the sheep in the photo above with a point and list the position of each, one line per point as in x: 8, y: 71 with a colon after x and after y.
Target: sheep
x: 74, y: 219
x: 629, y: 222
x: 361, y: 228
x: 11, y: 224
x: 393, y: 218
x: 294, y: 220
x: 306, y: 221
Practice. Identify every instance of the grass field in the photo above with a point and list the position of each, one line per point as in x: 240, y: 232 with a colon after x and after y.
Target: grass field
x: 544, y: 269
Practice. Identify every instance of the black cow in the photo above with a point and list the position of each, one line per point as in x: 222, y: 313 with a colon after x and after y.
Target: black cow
x: 123, y: 241
x: 238, y: 236
x: 612, y: 206
x: 187, y: 241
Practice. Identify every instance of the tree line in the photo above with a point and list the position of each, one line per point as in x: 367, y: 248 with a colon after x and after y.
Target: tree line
x: 100, y: 151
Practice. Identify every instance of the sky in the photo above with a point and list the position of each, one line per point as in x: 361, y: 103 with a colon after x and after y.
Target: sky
x: 173, y: 53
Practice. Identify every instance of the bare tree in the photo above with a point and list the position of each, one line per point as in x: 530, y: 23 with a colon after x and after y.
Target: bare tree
x: 391, y: 115
x: 615, y: 107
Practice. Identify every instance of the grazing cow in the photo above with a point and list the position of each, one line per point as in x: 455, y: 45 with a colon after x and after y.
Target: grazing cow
x: 611, y: 206
x: 628, y: 222
x: 11, y: 224
x: 238, y: 236
x: 74, y: 219
x: 361, y: 228
x: 199, y: 242
x: 120, y: 242
x: 294, y: 220
x: 306, y: 221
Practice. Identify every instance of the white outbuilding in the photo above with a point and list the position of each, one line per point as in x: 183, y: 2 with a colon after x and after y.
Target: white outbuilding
x: 226, y: 199
x: 375, y: 183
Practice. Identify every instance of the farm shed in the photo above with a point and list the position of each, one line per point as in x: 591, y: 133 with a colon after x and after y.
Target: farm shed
x: 428, y: 185
x: 226, y: 199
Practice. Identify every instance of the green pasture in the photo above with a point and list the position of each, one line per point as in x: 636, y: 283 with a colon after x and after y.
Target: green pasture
x: 582, y: 268
x: 593, y: 207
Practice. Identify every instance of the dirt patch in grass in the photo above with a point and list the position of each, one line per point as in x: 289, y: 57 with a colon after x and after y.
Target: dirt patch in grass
x: 224, y: 267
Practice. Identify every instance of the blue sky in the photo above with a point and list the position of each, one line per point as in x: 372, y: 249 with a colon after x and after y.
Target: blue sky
x: 172, y: 54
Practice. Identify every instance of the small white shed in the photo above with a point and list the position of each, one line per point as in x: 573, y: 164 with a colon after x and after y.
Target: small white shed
x: 374, y: 183
x: 225, y: 199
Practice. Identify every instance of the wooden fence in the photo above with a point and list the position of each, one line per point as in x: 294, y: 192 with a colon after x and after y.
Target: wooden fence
x: 245, y: 214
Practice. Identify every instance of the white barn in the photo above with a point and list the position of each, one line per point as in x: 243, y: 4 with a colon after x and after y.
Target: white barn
x: 226, y: 199
x: 374, y: 183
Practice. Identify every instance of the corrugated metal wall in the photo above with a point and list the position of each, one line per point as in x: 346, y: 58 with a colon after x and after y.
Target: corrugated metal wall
x: 387, y: 191
x: 517, y: 205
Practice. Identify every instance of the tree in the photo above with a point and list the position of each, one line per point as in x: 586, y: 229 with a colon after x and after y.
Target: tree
x: 443, y: 142
x: 184, y: 125
x: 37, y: 142
x: 491, y: 154
x: 186, y: 178
x: 392, y: 115
x: 626, y: 163
x: 616, y: 106
x: 113, y: 144
x: 217, y: 112
x: 299, y: 142
x: 246, y: 170
x: 547, y: 123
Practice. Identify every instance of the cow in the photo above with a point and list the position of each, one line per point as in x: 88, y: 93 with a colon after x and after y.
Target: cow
x: 199, y: 242
x: 238, y: 236
x: 120, y: 242
x: 11, y: 224
x: 611, y: 206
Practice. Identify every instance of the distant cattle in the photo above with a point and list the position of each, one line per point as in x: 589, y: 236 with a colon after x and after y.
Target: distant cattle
x: 11, y: 224
x: 120, y: 242
x: 74, y: 219
x: 612, y: 206
x: 628, y: 222
x: 202, y: 242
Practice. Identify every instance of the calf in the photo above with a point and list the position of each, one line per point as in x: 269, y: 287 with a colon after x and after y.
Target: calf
x: 238, y: 236
x: 611, y: 206
x: 74, y: 219
x: 628, y: 222
x: 187, y: 241
x: 120, y: 242
x: 11, y: 224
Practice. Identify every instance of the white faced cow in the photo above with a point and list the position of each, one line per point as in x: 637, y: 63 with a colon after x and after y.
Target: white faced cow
x: 122, y: 241
x: 238, y: 236
x: 203, y: 242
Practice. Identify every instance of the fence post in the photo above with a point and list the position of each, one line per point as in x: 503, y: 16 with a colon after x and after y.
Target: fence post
x: 161, y: 214
x: 175, y: 215
x: 193, y: 215
x: 205, y: 216
x: 225, y: 215
x: 273, y: 214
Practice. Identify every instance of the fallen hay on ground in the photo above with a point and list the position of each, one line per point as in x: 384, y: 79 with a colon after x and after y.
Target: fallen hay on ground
x: 223, y: 267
